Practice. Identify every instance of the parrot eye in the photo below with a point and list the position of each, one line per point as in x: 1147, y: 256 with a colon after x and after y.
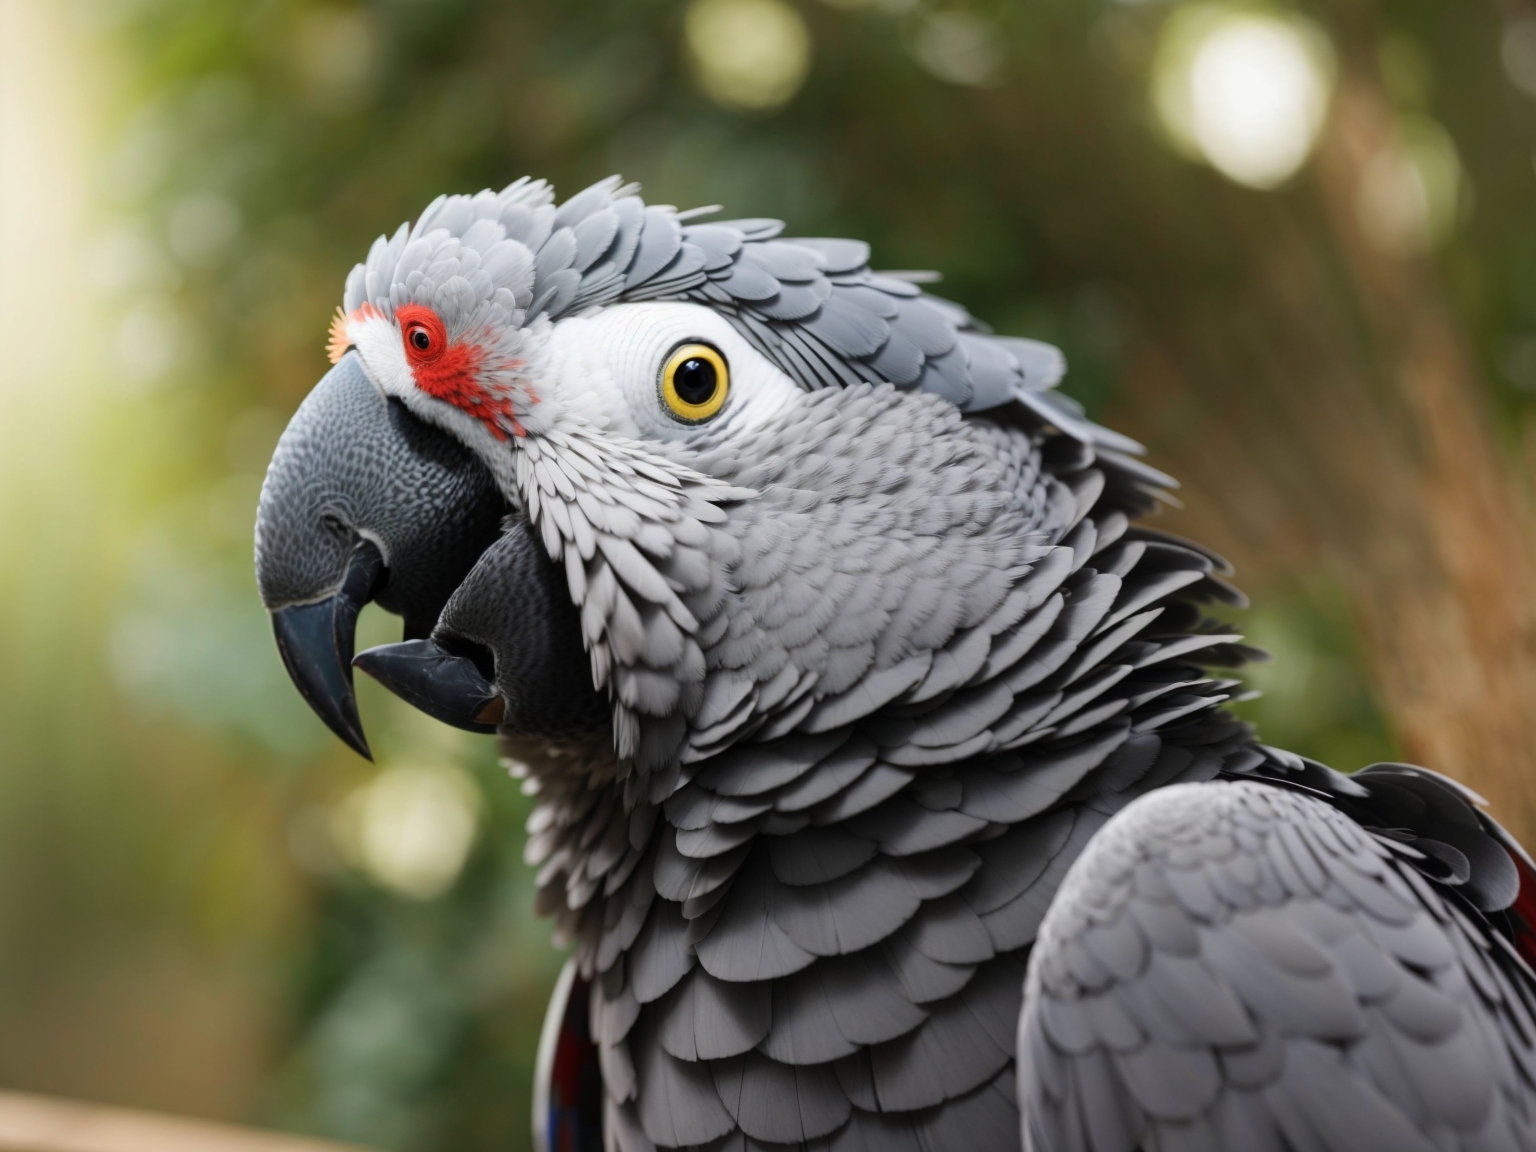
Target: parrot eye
x: 426, y: 338
x: 695, y: 382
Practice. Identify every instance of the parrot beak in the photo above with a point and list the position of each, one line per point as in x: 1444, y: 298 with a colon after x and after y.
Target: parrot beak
x: 506, y: 653
x: 315, y: 642
x: 363, y: 502
x: 445, y: 686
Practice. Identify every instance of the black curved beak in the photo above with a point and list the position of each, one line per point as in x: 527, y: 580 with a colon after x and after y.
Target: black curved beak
x: 444, y: 685
x: 354, y: 466
x: 316, y: 641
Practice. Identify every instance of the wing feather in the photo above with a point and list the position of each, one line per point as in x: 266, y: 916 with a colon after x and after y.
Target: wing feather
x: 1242, y: 959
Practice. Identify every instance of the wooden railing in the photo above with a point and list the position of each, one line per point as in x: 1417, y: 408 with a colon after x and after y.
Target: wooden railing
x: 44, y: 1124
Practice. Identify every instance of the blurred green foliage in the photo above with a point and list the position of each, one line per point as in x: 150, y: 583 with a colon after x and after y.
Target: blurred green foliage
x: 163, y: 783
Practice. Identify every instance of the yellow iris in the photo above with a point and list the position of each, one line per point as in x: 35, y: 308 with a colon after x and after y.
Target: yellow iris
x: 695, y: 382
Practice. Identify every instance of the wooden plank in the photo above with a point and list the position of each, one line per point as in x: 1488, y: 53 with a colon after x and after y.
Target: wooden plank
x: 43, y: 1124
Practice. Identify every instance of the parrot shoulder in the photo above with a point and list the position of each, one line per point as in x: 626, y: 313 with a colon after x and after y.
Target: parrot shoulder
x: 1253, y: 961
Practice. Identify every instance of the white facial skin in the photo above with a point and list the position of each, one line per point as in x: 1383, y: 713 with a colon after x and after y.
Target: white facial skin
x: 606, y: 369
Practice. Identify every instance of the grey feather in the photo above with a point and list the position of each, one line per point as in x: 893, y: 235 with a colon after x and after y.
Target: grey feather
x: 880, y: 674
x: 958, y: 1048
x: 746, y: 943
x: 834, y: 774
x: 903, y: 827
x: 681, y: 878
x: 924, y: 979
x: 1219, y: 1011
x: 751, y: 771
x: 848, y: 914
x: 1013, y: 789
x: 778, y: 1102
x: 838, y: 1006
x: 661, y: 956
x: 677, y: 1101
x: 708, y: 1019
x: 817, y: 855
x: 948, y: 930
x: 875, y: 786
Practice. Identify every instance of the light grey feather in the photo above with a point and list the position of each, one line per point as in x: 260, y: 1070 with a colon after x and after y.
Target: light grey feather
x: 1218, y: 953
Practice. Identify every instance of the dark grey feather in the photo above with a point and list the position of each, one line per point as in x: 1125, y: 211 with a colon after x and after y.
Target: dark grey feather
x: 779, y: 1102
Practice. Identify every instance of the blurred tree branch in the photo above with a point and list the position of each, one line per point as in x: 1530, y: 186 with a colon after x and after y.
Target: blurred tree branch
x: 1452, y: 624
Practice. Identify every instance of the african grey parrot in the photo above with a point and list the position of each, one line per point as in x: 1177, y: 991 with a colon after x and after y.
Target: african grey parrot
x: 881, y: 786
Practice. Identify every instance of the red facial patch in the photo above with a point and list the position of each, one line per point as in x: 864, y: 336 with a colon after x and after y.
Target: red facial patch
x: 452, y: 372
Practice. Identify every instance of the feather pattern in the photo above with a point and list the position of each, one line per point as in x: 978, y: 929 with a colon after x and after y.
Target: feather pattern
x: 1245, y: 958
x: 861, y: 871
x: 903, y: 700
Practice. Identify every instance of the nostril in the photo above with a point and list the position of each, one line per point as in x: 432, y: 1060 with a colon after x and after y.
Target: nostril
x: 477, y: 653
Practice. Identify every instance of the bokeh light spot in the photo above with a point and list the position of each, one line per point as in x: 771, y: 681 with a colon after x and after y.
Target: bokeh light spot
x: 891, y: 7
x: 1517, y: 52
x: 1520, y: 363
x: 203, y: 226
x: 748, y: 55
x: 1246, y: 92
x: 960, y: 47
x: 150, y: 342
x: 125, y: 260
x: 410, y: 829
x: 1410, y: 193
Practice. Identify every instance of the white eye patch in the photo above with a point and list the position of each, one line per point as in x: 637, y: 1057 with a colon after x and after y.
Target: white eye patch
x: 607, y: 368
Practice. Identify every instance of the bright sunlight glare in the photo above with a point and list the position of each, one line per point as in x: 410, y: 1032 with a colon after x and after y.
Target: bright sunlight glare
x: 1246, y: 92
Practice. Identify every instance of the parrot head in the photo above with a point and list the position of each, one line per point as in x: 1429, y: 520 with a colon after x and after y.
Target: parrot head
x: 685, y: 484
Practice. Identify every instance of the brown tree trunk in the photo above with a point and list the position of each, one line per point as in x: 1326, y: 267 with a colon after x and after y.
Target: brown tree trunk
x: 1454, y: 637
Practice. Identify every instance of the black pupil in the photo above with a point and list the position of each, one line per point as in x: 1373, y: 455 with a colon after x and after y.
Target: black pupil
x: 695, y: 380
x: 420, y: 338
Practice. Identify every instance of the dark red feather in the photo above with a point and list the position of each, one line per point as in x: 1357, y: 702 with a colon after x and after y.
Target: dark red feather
x: 1522, y: 913
x: 576, y: 1081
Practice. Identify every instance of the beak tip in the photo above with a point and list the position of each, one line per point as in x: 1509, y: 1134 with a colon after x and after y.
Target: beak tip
x: 325, y: 683
x: 315, y: 642
x: 356, y: 741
